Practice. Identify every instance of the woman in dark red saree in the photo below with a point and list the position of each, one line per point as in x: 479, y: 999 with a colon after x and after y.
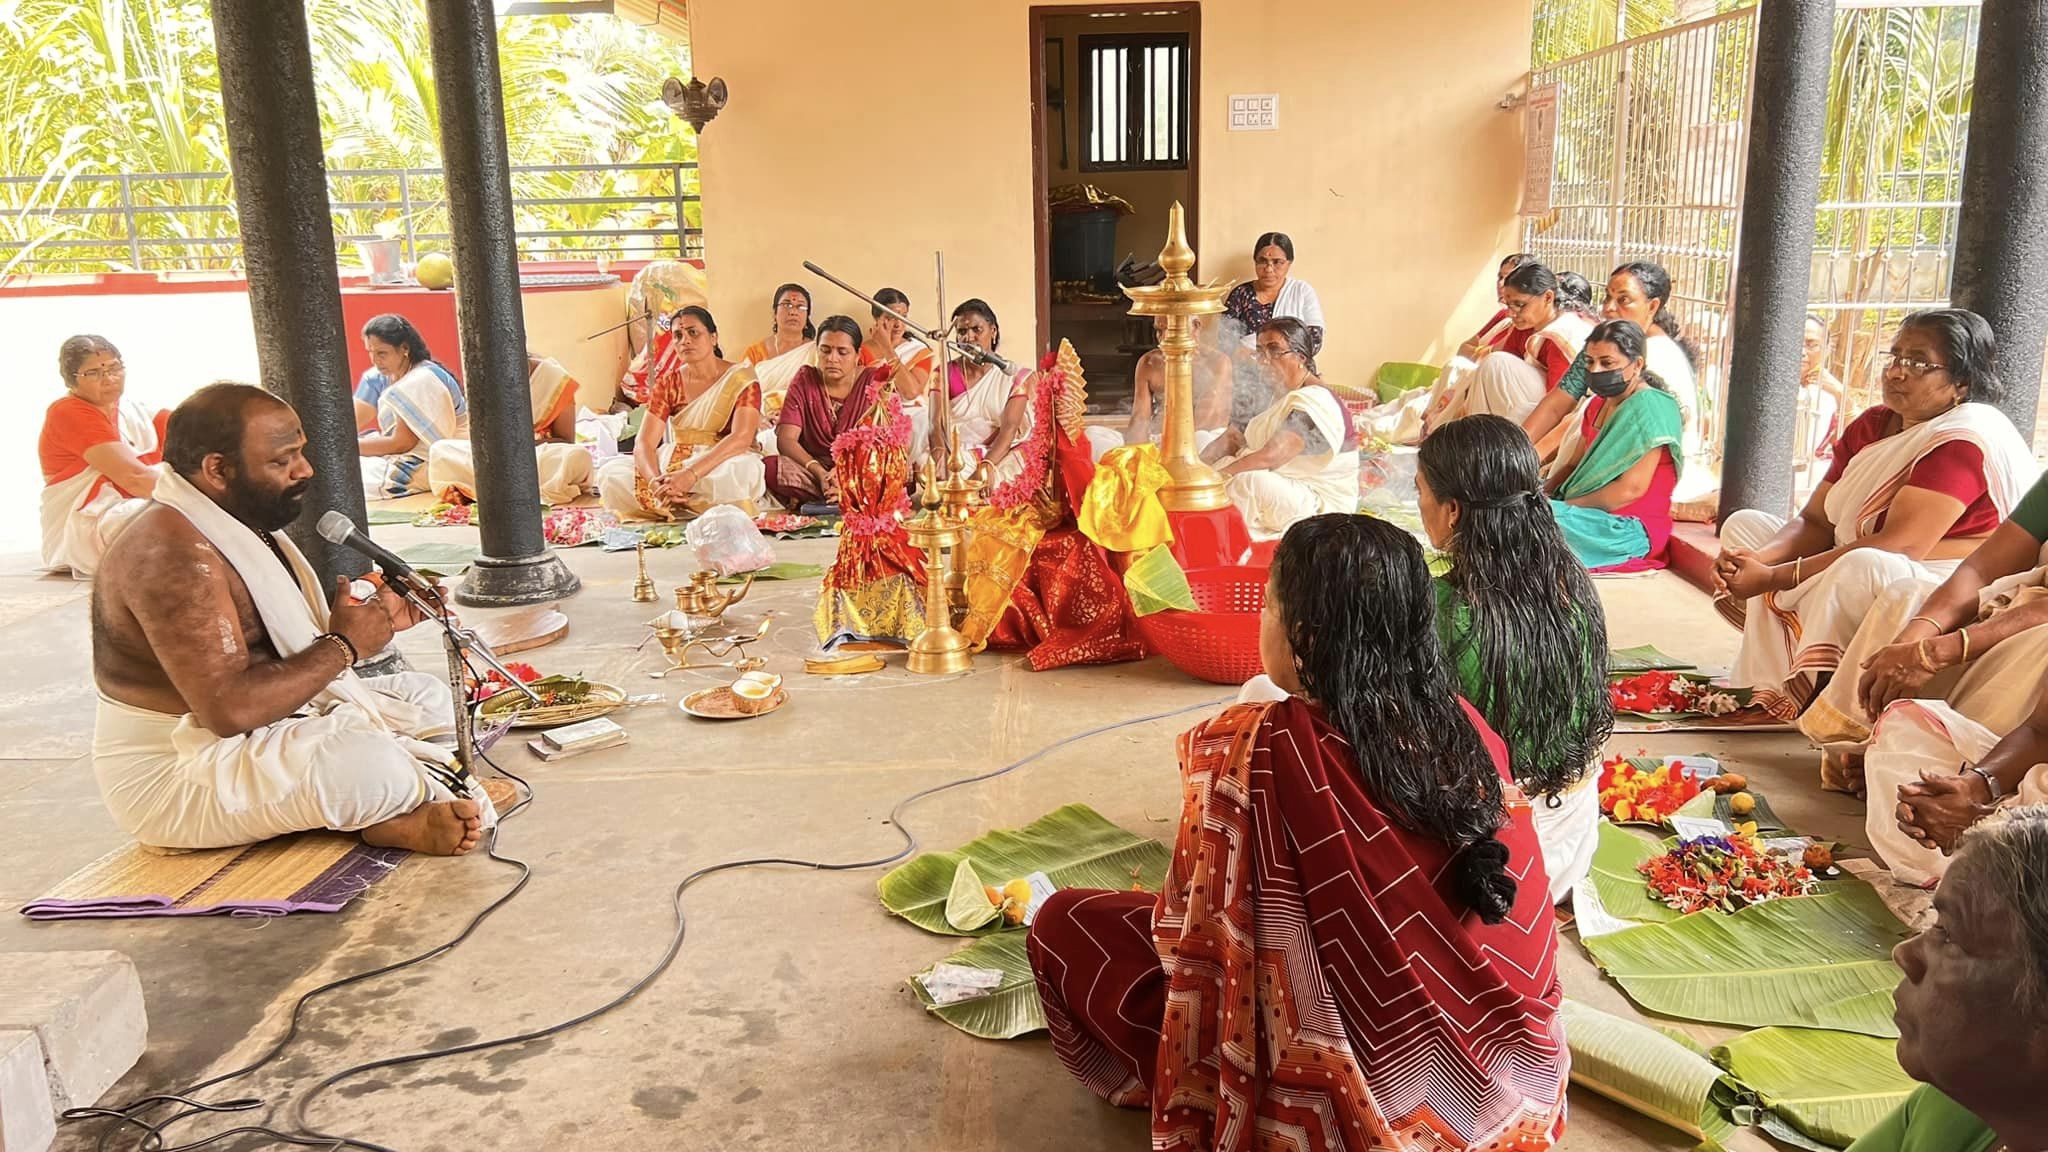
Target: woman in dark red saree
x: 1354, y: 946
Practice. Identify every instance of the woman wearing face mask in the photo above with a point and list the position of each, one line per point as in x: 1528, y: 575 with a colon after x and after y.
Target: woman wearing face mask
x: 1640, y: 293
x: 1611, y: 485
x: 1916, y: 485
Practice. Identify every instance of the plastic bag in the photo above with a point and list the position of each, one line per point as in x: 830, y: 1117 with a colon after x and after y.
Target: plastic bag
x: 726, y: 541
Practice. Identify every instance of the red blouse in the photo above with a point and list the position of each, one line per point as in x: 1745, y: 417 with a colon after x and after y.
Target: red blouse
x: 1952, y: 469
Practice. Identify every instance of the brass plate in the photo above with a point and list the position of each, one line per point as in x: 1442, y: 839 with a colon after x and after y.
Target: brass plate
x: 720, y: 704
x: 603, y: 698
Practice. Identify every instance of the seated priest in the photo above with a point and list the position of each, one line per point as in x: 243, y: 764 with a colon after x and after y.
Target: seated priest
x: 565, y: 466
x: 1212, y: 383
x: 264, y: 729
x: 1299, y: 457
x: 822, y: 403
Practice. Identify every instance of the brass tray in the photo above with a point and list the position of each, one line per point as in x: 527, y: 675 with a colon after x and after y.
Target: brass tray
x: 524, y: 714
x: 719, y: 704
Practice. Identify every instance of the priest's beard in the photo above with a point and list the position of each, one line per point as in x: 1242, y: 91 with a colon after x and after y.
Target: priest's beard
x: 263, y: 508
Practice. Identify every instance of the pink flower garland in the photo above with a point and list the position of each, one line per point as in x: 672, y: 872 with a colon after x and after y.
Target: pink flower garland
x: 1037, y: 447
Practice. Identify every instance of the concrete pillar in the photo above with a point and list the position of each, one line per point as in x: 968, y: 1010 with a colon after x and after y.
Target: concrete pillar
x: 1787, y: 112
x: 273, y: 123
x: 516, y: 566
x: 2001, y: 265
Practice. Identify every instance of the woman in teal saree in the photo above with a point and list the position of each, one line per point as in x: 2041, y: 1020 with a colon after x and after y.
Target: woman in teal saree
x: 1610, y: 488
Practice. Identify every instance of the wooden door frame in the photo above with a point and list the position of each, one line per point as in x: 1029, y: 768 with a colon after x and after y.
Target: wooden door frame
x: 1041, y: 222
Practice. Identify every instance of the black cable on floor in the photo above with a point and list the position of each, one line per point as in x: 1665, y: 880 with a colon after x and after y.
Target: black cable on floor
x: 153, y: 1139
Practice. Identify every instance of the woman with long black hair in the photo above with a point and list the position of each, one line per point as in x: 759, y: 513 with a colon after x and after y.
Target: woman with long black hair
x: 1354, y: 938
x: 1521, y: 627
x: 1556, y: 311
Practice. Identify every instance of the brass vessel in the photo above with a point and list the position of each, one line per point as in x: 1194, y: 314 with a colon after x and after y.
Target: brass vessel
x: 700, y: 599
x: 643, y: 584
x: 1195, y: 486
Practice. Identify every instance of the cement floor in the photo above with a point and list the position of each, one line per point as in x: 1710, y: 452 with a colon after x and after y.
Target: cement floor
x: 786, y: 1021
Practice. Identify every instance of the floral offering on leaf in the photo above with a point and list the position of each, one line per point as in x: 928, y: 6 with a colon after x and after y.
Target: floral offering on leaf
x: 494, y: 681
x: 453, y: 515
x: 1667, y: 693
x: 1726, y: 873
x: 575, y: 527
x: 1632, y: 794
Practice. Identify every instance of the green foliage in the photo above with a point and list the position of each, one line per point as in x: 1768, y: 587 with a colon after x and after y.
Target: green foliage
x: 92, y: 90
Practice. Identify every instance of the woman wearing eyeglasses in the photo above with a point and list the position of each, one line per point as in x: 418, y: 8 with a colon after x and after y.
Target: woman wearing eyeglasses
x: 100, y: 454
x: 1917, y: 483
x: 1271, y: 294
x: 790, y: 348
x: 1299, y: 457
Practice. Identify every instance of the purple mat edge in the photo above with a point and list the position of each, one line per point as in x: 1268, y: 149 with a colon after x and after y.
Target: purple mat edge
x: 331, y: 891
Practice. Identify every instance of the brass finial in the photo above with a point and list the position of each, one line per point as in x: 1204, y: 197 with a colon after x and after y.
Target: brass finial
x: 1177, y: 259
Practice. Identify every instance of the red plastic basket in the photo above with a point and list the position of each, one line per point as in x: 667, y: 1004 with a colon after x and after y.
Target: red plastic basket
x: 1219, y: 642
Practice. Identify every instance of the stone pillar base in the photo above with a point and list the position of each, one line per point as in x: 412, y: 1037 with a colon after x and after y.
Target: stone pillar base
x: 495, y: 583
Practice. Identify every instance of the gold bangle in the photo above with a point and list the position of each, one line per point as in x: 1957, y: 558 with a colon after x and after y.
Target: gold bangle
x: 348, y: 649
x: 1798, y: 575
x: 1932, y: 622
x: 1926, y: 661
x: 1965, y: 634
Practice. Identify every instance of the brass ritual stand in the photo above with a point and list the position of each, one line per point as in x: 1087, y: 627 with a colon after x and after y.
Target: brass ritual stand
x: 1195, y: 487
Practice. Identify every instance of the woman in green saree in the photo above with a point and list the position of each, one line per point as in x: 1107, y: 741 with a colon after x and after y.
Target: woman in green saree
x: 1521, y: 627
x: 1610, y: 487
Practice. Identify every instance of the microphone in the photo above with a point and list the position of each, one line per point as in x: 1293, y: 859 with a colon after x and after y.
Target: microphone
x: 982, y: 356
x: 336, y: 528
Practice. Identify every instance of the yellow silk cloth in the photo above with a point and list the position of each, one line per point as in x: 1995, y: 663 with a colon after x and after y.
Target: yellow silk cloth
x: 999, y: 546
x: 1121, y: 510
x: 891, y: 608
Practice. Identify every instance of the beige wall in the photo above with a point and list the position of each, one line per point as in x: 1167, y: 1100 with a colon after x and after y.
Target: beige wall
x: 1393, y: 170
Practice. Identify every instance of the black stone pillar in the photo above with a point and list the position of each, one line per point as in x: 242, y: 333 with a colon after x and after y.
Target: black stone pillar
x: 1786, y: 115
x: 516, y: 566
x: 266, y: 81
x: 2001, y: 266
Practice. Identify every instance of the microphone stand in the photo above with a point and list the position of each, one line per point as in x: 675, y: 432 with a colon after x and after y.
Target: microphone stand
x: 957, y: 347
x: 455, y: 638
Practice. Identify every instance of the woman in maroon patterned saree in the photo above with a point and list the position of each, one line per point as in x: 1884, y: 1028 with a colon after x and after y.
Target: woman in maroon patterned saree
x: 1354, y: 947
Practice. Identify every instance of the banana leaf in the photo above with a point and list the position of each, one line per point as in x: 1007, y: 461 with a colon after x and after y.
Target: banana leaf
x: 967, y: 904
x: 441, y: 557
x: 1830, y: 1086
x: 1012, y: 1010
x: 1644, y: 658
x: 1074, y: 846
x: 1870, y: 1013
x: 1649, y: 1072
x: 780, y: 570
x: 1783, y: 962
x: 1709, y: 804
x: 390, y: 516
x: 1623, y: 891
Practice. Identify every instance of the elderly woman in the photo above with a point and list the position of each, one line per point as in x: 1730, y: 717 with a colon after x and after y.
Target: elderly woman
x: 991, y: 407
x: 696, y: 449
x: 1271, y: 294
x: 1973, y: 1005
x: 1611, y: 483
x: 416, y: 402
x: 1916, y: 484
x: 1556, y: 317
x: 1370, y: 814
x: 1522, y: 628
x: 1978, y: 641
x: 100, y: 454
x: 1300, y: 456
x: 823, y: 403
